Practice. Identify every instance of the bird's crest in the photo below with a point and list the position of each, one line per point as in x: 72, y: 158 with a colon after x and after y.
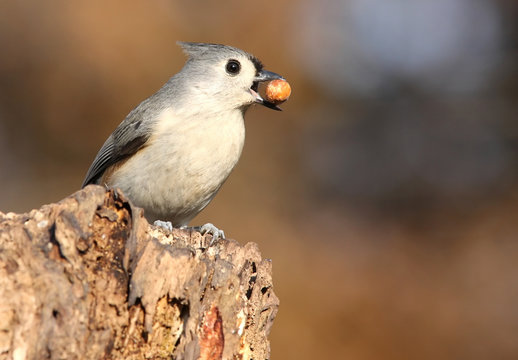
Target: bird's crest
x: 202, y: 50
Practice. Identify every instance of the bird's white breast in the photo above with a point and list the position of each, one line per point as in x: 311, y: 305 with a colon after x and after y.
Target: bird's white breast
x: 183, y: 165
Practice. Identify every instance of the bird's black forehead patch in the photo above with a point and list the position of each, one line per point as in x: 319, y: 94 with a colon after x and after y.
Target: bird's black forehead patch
x: 257, y: 63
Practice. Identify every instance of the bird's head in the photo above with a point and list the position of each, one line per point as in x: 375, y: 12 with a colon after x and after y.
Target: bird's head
x: 224, y: 76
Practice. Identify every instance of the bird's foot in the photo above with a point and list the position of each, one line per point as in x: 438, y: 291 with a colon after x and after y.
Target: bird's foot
x: 164, y: 224
x: 209, y: 228
x: 204, y: 229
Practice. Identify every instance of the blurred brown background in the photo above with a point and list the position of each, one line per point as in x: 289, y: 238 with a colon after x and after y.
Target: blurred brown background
x: 386, y: 193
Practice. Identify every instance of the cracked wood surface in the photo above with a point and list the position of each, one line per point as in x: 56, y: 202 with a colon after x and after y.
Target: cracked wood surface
x: 89, y: 278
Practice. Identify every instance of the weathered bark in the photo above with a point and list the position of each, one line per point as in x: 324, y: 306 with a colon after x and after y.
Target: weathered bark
x: 89, y: 278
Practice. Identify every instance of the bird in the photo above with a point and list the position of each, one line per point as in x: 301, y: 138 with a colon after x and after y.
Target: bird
x: 173, y: 152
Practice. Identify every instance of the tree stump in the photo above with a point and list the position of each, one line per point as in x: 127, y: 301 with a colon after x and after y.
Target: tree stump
x: 89, y: 278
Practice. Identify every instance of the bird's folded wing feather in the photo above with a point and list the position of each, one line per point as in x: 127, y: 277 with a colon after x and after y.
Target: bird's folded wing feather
x: 127, y: 139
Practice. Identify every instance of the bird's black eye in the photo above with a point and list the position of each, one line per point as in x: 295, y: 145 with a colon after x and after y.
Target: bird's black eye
x: 233, y: 67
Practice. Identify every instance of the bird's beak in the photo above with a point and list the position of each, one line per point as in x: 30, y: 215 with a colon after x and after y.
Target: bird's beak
x: 264, y: 75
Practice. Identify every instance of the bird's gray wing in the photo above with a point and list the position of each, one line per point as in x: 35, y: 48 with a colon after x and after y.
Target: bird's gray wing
x: 130, y: 136
x: 133, y: 132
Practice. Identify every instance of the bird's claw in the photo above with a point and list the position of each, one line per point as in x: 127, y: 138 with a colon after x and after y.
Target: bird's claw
x: 204, y: 229
x: 164, y: 224
x: 214, y: 231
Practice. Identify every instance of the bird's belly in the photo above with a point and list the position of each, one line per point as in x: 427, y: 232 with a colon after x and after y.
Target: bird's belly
x: 174, y: 178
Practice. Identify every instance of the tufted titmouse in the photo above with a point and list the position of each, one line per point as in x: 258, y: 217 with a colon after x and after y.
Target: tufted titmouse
x: 173, y: 152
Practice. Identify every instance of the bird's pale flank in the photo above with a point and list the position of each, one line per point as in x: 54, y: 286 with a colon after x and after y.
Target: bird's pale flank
x: 173, y: 152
